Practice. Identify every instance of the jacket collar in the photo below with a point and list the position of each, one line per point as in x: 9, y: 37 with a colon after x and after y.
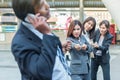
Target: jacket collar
x: 29, y: 34
x: 107, y: 35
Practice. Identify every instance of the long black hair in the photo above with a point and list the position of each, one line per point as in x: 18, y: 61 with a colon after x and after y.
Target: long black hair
x: 71, y: 27
x: 91, y: 32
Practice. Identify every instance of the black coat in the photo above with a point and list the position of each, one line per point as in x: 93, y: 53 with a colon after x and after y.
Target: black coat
x: 105, y: 46
x: 35, y: 57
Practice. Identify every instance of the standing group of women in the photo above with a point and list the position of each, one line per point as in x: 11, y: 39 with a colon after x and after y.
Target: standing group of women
x: 90, y: 49
x: 38, y: 52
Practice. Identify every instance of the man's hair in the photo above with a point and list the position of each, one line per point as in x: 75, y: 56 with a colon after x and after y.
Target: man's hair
x: 23, y: 7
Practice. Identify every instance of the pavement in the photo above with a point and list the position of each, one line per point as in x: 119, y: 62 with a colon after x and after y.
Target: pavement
x: 114, y: 64
x: 9, y: 69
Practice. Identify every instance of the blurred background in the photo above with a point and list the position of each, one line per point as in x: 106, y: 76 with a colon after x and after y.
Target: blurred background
x: 62, y: 12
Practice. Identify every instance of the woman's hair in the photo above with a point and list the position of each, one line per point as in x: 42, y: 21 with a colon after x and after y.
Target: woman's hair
x: 91, y: 32
x: 71, y: 27
x: 23, y: 7
x: 106, y: 22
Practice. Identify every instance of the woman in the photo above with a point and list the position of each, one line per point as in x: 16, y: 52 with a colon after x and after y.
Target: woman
x: 102, y: 40
x: 89, y: 28
x: 79, y: 65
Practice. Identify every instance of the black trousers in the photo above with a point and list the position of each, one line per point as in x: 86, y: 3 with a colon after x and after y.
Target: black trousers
x: 95, y: 63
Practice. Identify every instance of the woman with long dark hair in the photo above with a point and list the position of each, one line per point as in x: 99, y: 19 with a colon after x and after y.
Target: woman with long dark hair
x: 89, y: 26
x: 102, y: 41
x: 79, y: 52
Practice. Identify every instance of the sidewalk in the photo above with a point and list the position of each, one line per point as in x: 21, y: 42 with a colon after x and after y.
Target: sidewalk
x: 114, y: 63
x: 8, y: 66
x: 9, y: 69
x: 115, y: 68
x: 5, y: 47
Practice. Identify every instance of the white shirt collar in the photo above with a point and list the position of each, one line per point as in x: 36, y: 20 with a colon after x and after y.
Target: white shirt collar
x: 31, y: 28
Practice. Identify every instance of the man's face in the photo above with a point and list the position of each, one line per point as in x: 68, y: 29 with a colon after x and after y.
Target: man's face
x: 43, y: 9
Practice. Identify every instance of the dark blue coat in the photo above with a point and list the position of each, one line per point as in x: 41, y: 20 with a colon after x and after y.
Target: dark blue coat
x: 105, y: 46
x: 35, y: 57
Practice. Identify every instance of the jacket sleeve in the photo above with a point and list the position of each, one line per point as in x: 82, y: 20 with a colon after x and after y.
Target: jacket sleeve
x: 34, y: 61
x: 106, y: 44
x: 89, y: 48
x: 72, y: 43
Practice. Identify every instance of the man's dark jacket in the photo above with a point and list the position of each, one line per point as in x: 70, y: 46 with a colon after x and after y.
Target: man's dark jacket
x: 35, y: 57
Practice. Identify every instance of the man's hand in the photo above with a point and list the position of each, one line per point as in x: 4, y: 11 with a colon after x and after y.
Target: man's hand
x: 39, y: 22
x: 66, y: 46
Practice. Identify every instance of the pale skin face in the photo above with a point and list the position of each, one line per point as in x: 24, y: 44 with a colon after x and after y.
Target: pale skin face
x: 76, y: 32
x: 88, y: 25
x: 103, y: 29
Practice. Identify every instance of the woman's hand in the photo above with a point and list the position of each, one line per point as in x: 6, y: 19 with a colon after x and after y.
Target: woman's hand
x: 84, y: 47
x: 77, y: 47
x: 95, y: 45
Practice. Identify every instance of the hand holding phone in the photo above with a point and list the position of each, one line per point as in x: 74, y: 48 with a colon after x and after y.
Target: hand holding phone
x: 39, y: 23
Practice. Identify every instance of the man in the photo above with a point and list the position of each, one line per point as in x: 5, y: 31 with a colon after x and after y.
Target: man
x: 36, y: 49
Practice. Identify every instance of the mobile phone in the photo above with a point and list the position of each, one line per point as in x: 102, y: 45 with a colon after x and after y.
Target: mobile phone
x: 31, y: 16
